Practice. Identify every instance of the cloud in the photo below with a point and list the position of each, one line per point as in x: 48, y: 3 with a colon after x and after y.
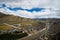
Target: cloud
x: 49, y: 12
x: 23, y: 13
x: 26, y: 3
x: 32, y: 3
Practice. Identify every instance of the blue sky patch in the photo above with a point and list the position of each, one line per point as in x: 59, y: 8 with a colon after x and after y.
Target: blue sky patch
x: 2, y: 5
x: 35, y: 9
x: 30, y: 10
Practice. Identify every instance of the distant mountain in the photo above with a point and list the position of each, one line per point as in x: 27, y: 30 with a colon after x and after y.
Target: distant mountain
x: 50, y: 19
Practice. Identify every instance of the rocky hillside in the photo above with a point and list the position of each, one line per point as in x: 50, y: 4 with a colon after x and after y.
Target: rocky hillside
x: 4, y: 17
x: 24, y: 22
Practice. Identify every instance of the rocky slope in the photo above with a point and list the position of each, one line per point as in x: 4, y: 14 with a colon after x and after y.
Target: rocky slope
x: 24, y: 22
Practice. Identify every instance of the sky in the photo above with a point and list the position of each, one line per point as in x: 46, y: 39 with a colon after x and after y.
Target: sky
x: 31, y: 8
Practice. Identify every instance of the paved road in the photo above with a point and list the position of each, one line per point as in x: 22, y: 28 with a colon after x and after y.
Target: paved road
x: 34, y: 35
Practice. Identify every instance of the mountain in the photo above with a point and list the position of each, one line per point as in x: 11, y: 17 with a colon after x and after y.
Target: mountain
x: 2, y: 15
x: 28, y: 23
x: 50, y: 19
x: 11, y: 19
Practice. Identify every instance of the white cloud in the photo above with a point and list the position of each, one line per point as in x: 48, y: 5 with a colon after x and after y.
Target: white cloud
x: 32, y: 3
x: 28, y: 4
x: 23, y: 13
